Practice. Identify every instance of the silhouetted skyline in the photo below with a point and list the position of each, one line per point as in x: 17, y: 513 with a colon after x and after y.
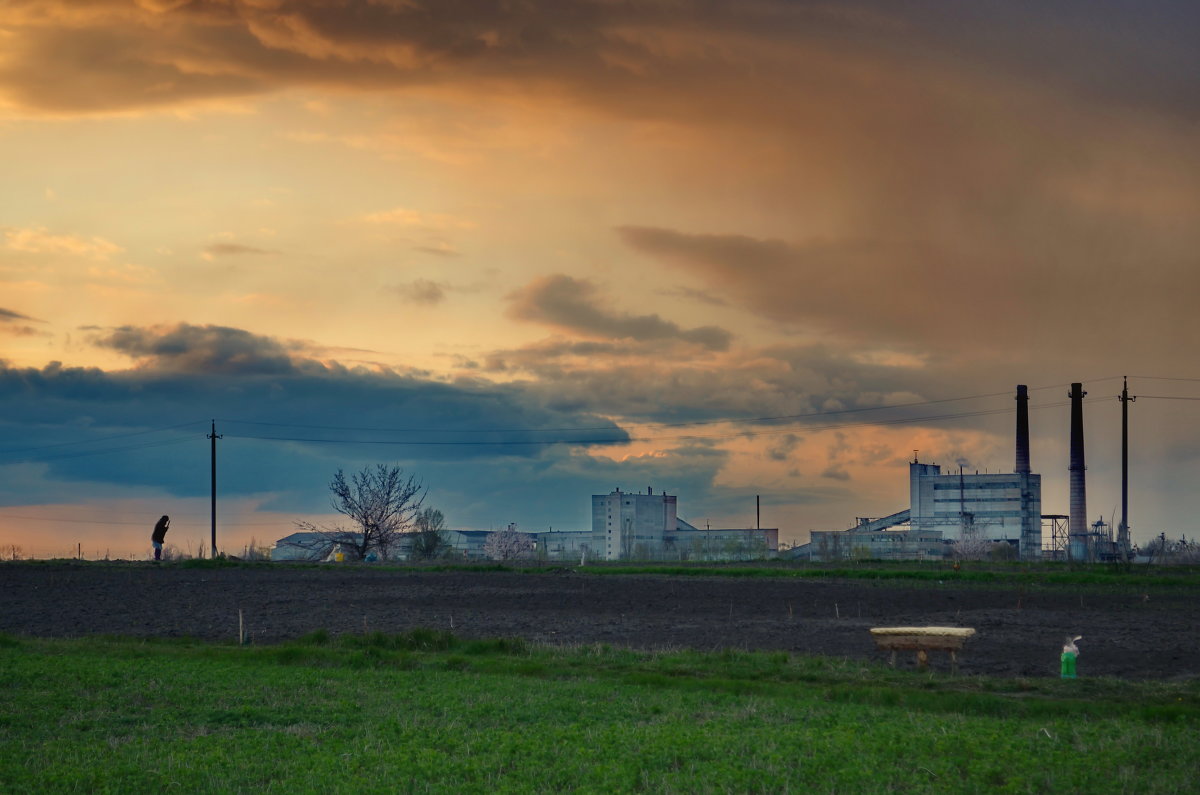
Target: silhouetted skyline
x: 459, y: 223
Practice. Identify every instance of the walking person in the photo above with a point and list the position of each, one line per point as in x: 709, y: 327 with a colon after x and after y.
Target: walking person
x: 160, y: 533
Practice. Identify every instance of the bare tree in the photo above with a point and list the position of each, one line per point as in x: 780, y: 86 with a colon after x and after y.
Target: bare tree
x: 430, y: 537
x: 380, y: 500
x: 508, y: 544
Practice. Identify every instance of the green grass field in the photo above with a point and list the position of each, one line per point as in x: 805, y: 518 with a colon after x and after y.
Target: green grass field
x: 427, y: 712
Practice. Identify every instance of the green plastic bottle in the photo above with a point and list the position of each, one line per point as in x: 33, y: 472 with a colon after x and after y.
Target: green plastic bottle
x: 1069, y: 653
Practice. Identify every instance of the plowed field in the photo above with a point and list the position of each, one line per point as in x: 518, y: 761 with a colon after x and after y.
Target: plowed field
x: 1126, y: 632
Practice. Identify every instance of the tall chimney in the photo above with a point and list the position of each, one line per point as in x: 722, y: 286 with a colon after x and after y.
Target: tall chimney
x: 1077, y: 528
x: 1022, y: 430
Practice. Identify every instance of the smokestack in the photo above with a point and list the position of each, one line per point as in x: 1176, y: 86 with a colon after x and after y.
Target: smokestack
x: 1078, y: 522
x: 1022, y: 430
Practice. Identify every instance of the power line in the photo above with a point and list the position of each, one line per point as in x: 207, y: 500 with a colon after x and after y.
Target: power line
x: 630, y: 440
x: 688, y: 423
x: 81, y: 454
x: 97, y: 439
x: 1164, y: 378
x: 578, y: 441
x: 143, y: 523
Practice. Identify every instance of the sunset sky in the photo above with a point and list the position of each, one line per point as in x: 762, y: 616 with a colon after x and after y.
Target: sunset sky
x: 535, y: 250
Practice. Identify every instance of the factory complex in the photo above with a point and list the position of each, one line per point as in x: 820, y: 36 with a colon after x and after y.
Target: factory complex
x: 949, y: 512
x: 625, y: 526
x: 999, y: 514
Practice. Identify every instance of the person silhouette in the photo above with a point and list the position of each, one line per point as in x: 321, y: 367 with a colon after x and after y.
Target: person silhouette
x: 160, y: 533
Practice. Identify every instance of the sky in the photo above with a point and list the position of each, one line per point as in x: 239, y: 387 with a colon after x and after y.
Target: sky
x: 535, y: 250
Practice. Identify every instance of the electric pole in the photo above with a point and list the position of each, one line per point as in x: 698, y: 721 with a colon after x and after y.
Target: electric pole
x: 213, y: 436
x: 1123, y: 530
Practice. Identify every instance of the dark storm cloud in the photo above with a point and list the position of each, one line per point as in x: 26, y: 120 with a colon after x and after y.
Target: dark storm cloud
x: 867, y: 289
x: 142, y: 55
x: 201, y: 349
x: 860, y: 289
x: 573, y: 305
x: 287, y: 422
x: 1111, y: 52
x: 111, y: 54
x: 811, y: 385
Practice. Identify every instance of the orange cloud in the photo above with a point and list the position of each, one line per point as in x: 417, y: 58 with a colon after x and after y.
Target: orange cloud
x: 39, y: 240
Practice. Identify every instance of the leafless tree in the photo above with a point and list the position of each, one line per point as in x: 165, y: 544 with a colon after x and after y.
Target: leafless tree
x: 380, y: 500
x: 508, y: 544
x: 429, y: 534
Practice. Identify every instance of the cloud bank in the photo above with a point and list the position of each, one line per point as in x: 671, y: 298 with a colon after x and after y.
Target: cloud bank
x: 573, y: 305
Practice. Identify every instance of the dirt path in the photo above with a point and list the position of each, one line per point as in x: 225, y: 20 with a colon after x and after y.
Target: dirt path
x: 1123, y: 634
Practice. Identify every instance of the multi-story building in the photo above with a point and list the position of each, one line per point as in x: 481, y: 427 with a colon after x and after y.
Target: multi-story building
x: 630, y: 525
x: 992, y: 506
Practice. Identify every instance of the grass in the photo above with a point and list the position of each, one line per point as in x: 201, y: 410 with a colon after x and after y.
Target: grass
x: 1000, y: 574
x: 915, y: 573
x: 429, y: 712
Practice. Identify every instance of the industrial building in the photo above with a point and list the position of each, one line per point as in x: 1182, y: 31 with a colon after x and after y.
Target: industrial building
x: 547, y: 545
x: 646, y: 526
x: 994, y: 507
x: 945, y: 507
x: 635, y: 526
x: 629, y: 525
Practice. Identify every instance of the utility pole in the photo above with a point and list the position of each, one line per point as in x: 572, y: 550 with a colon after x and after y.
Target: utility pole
x: 1123, y: 529
x: 212, y: 550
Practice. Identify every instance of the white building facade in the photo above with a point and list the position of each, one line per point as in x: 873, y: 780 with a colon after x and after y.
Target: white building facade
x: 995, y: 506
x: 631, y: 525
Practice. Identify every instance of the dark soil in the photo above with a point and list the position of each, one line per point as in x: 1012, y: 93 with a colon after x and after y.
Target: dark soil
x: 1019, y: 631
